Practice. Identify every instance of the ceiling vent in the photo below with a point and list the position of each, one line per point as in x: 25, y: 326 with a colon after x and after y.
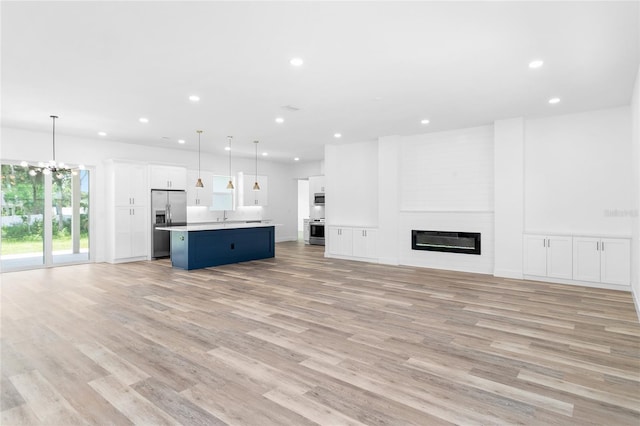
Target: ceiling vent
x: 290, y: 108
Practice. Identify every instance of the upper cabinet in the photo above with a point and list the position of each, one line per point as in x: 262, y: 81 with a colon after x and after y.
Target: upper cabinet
x: 199, y: 196
x: 316, y: 184
x: 255, y: 198
x: 167, y: 177
x: 129, y: 183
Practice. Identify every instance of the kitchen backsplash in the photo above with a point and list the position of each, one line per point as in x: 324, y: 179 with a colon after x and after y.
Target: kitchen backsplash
x: 196, y: 214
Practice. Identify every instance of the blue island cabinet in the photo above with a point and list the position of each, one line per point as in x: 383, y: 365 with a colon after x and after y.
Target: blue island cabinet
x: 201, y: 249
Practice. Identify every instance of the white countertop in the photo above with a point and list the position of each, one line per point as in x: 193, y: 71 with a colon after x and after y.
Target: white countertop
x: 217, y: 226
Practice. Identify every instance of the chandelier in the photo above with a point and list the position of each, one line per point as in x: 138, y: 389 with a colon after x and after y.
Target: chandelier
x: 57, y: 169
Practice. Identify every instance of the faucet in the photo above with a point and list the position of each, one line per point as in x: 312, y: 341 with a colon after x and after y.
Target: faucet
x: 224, y: 215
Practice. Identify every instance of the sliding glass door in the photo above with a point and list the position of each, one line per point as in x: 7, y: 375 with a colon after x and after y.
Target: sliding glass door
x: 45, y: 218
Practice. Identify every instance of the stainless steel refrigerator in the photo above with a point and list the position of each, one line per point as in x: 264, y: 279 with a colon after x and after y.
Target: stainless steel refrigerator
x: 168, y: 208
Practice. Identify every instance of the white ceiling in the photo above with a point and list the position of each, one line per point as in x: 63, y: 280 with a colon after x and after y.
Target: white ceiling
x: 371, y: 68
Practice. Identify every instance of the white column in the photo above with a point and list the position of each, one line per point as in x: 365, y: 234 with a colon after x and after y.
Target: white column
x: 75, y: 215
x: 508, y: 197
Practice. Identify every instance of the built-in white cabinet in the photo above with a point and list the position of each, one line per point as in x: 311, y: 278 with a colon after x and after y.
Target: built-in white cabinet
x: 129, y: 183
x: 167, y: 177
x: 128, y: 216
x: 603, y: 260
x: 130, y: 236
x: 255, y: 198
x: 316, y: 185
x: 199, y: 196
x: 352, y: 242
x: 306, y: 231
x: 365, y: 243
x: 339, y: 241
x: 548, y: 256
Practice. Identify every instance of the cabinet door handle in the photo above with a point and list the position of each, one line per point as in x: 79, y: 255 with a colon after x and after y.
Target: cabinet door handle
x: 544, y: 242
x: 602, y: 246
x: 133, y: 201
x: 548, y: 242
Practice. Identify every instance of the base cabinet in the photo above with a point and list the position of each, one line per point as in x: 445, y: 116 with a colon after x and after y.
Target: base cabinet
x: 365, y: 243
x: 340, y: 241
x: 548, y: 256
x: 602, y: 260
x: 203, y: 249
x: 353, y: 243
x: 306, y: 231
x: 130, y: 233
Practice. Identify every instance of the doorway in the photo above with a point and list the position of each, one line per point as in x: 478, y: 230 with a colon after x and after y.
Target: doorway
x: 303, y: 205
x: 45, y: 218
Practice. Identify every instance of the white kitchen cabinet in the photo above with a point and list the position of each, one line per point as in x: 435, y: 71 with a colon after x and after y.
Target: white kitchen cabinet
x: 316, y: 185
x: 130, y: 233
x: 548, y: 256
x: 365, y: 243
x: 306, y: 231
x: 603, y: 260
x: 340, y: 241
x: 255, y: 198
x: 199, y: 196
x: 129, y: 184
x: 128, y: 214
x: 167, y: 177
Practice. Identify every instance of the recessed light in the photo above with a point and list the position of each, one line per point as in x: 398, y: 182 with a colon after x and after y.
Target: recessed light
x: 425, y: 121
x: 554, y: 100
x: 194, y: 98
x: 337, y: 135
x: 227, y: 148
x: 279, y: 120
x: 296, y: 159
x: 536, y: 64
x: 296, y: 62
x: 264, y: 154
x: 181, y: 141
x: 102, y: 134
x: 143, y: 120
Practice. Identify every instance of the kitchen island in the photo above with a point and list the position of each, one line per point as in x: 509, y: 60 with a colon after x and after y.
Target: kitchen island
x: 205, y: 245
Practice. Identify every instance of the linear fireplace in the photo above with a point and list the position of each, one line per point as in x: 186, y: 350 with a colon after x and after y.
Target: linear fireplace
x: 452, y: 242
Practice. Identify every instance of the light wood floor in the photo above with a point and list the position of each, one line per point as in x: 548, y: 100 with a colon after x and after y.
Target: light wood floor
x: 300, y: 340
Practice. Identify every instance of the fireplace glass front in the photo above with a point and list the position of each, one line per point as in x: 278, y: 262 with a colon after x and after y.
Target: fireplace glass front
x: 446, y: 241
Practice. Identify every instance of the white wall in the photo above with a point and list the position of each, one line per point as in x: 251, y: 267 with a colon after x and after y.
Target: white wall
x: 405, y: 177
x: 447, y: 171
x: 508, y: 197
x: 351, y: 182
x: 34, y: 146
x: 446, y: 184
x: 578, y: 173
x: 303, y: 203
x: 635, y: 241
x: 389, y: 200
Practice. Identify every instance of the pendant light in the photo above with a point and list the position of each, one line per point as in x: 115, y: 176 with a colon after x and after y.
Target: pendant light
x: 52, y: 167
x: 230, y: 184
x: 256, y: 186
x: 199, y: 183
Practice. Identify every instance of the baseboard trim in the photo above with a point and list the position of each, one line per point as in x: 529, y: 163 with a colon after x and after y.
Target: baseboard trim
x: 508, y: 273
